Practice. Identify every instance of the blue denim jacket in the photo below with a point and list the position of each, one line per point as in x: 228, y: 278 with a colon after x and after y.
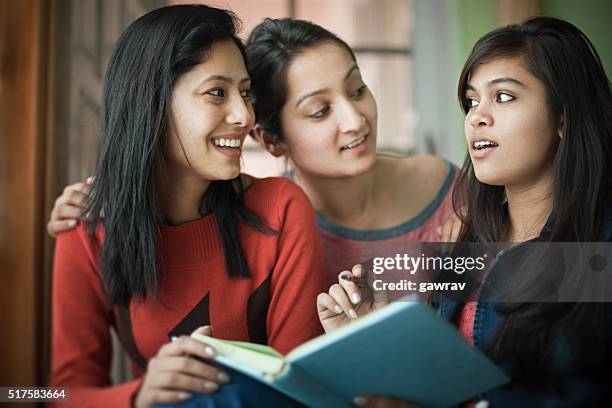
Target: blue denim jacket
x: 579, y: 389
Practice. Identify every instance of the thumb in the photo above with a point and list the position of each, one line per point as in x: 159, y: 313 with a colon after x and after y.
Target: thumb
x: 205, y: 331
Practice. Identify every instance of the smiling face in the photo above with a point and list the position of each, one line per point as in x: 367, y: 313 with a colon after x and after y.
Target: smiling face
x: 329, y: 117
x: 210, y: 116
x: 511, y: 134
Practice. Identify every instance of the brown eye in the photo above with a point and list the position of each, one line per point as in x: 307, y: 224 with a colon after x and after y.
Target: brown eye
x: 504, y: 97
x: 471, y: 102
x: 360, y: 91
x: 320, y: 113
x: 218, y: 92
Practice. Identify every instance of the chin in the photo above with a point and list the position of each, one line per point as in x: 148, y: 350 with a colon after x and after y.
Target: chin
x: 228, y: 174
x: 489, y: 177
x: 360, y: 168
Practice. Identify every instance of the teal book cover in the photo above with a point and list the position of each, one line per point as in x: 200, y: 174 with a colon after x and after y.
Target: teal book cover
x: 404, y: 350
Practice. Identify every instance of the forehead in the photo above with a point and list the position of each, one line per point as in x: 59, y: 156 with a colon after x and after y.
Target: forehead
x: 502, y: 67
x: 223, y: 58
x: 322, y: 66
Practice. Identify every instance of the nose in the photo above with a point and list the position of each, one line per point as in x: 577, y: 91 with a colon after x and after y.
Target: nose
x: 240, y: 112
x: 480, y: 116
x: 350, y: 118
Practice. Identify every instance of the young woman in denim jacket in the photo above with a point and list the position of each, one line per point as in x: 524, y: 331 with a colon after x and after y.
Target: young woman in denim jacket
x: 539, y: 130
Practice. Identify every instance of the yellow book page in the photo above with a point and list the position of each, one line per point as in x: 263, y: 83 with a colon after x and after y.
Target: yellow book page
x: 259, y: 348
x: 256, y: 356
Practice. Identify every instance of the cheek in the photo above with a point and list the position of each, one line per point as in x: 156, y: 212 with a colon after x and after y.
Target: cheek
x: 532, y: 134
x: 309, y: 141
x: 192, y: 127
x: 466, y: 127
x: 304, y: 135
x: 370, y: 110
x: 527, y: 152
x: 251, y: 121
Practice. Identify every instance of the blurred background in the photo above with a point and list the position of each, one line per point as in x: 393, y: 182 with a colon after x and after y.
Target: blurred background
x: 53, y: 55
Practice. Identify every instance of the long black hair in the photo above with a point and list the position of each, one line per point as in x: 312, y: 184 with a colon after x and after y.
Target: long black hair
x: 578, y: 91
x: 148, y: 59
x: 271, y: 47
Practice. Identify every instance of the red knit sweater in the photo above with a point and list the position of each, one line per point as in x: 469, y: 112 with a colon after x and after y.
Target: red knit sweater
x: 276, y: 306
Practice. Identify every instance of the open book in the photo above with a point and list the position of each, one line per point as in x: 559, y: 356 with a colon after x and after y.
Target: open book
x: 403, y: 350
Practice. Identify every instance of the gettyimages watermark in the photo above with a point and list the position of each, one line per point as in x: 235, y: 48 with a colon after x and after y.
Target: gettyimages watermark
x: 527, y: 272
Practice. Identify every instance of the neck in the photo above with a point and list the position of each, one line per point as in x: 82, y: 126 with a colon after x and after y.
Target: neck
x: 180, y: 197
x: 342, y: 200
x: 529, y: 207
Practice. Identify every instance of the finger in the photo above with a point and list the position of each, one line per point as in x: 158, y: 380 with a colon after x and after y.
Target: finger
x: 351, y: 288
x: 190, y: 366
x: 78, y: 195
x: 55, y: 227
x: 187, y: 345
x: 446, y: 231
x: 73, y: 195
x: 339, y: 295
x: 450, y: 233
x: 79, y: 187
x: 166, y: 397
x: 68, y: 212
x: 325, y: 303
x: 176, y: 380
x: 204, y: 331
x: 455, y: 230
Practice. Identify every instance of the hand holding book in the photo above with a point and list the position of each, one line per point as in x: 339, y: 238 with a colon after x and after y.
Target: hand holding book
x: 175, y: 372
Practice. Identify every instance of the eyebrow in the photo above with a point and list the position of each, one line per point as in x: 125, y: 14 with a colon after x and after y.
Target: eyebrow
x: 324, y: 90
x: 222, y: 78
x: 497, y: 81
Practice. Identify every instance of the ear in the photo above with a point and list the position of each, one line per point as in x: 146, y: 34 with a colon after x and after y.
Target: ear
x: 275, y: 147
x: 561, y: 128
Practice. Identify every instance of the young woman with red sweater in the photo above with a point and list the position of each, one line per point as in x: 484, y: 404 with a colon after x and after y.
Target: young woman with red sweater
x: 186, y: 241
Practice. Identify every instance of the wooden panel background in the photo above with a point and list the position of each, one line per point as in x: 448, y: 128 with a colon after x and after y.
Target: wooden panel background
x: 22, y: 151
x: 53, y: 55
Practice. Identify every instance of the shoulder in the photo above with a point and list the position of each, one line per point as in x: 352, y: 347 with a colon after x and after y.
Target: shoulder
x: 77, y: 253
x: 425, y: 167
x: 81, y: 238
x: 274, y: 197
x: 426, y: 173
x: 277, y: 188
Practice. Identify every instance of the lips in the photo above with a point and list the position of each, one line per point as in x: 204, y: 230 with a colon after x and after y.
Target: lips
x: 227, y: 142
x: 228, y: 145
x: 484, y: 144
x: 356, y: 142
x: 481, y: 147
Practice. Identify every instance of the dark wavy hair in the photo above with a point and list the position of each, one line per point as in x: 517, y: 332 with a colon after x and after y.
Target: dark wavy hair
x: 271, y: 47
x: 148, y: 59
x: 578, y: 91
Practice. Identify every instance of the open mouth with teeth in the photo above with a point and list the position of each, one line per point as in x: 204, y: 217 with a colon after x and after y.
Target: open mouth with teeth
x: 227, y: 143
x: 355, y: 143
x: 484, y: 144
